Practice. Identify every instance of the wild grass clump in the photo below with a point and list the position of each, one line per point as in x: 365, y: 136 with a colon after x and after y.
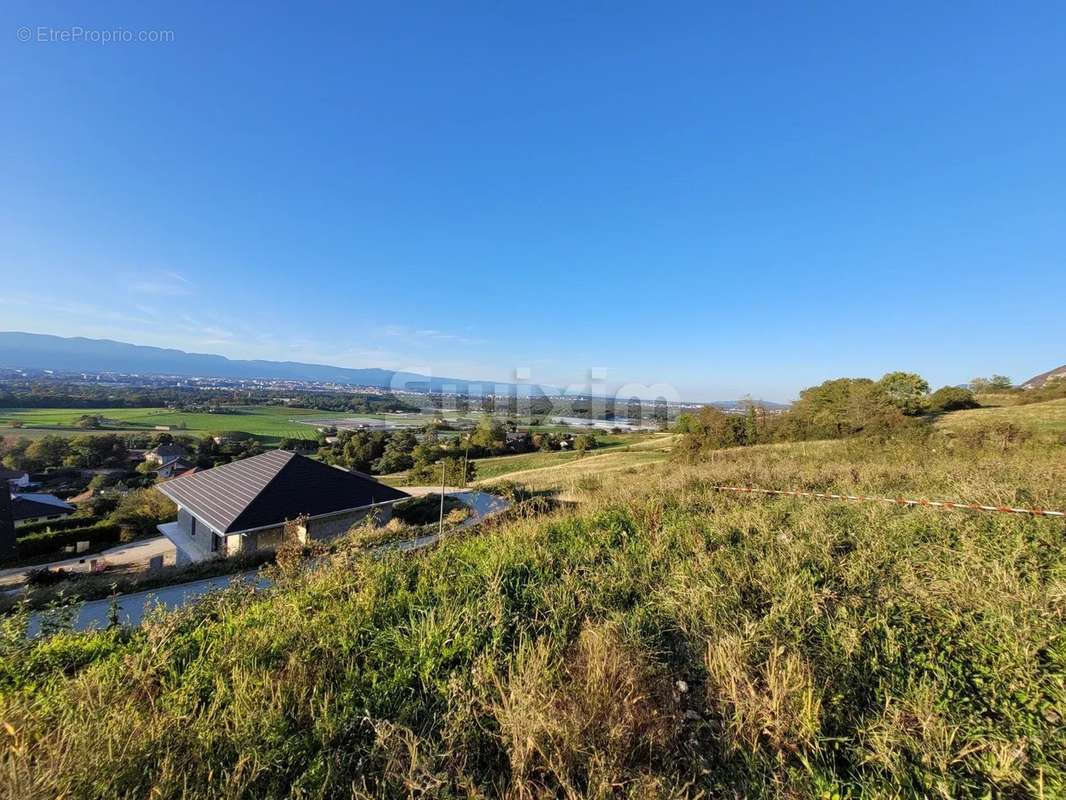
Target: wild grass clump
x: 663, y: 640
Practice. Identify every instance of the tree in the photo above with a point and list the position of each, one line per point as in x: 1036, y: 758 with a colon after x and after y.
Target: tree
x: 712, y: 429
x: 397, y: 455
x: 48, y: 451
x: 490, y: 435
x: 1000, y: 383
x: 97, y: 451
x: 838, y: 408
x: 908, y: 391
x: 997, y: 383
x: 951, y: 398
x: 584, y: 441
x: 429, y: 474
x: 685, y: 422
x: 140, y: 511
x: 356, y: 450
x: 751, y: 424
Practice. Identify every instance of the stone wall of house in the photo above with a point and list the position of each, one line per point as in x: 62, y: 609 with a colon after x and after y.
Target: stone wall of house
x: 185, y: 521
x: 319, y: 529
x: 338, y: 525
x: 266, y: 539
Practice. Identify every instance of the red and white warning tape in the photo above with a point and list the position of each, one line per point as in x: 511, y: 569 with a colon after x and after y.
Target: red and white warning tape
x: 1036, y: 512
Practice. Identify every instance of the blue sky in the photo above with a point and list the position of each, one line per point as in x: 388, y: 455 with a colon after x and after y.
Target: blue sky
x: 722, y: 199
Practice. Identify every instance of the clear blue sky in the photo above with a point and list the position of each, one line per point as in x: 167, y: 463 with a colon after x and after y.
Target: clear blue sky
x: 718, y: 198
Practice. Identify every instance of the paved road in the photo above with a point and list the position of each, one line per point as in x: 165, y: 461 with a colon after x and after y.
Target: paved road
x: 124, y: 555
x: 481, y: 504
x: 133, y: 607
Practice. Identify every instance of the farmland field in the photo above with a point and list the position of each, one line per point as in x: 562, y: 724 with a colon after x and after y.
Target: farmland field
x: 268, y: 423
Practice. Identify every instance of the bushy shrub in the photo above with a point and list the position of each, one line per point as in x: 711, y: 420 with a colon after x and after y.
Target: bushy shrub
x: 1002, y: 435
x: 64, y: 524
x: 424, y: 510
x: 42, y: 576
x: 951, y: 398
x: 38, y: 544
x: 139, y: 512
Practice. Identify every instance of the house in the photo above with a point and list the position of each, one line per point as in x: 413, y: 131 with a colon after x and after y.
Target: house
x: 164, y: 453
x: 174, y: 468
x: 242, y: 507
x: 8, y: 540
x: 27, y: 507
x: 16, y: 478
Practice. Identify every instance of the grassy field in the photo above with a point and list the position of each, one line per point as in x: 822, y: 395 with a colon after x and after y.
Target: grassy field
x: 539, y: 464
x: 269, y: 423
x: 1045, y: 420
x: 563, y: 471
x: 661, y: 640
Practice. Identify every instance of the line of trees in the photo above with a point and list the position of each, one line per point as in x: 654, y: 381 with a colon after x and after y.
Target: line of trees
x: 834, y: 409
x: 48, y: 394
x: 92, y: 451
x: 385, y: 452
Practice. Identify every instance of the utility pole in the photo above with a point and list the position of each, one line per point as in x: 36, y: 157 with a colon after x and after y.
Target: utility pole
x: 466, y: 457
x: 440, y: 529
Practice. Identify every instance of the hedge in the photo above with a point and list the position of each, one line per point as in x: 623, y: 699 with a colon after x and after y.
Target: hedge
x: 38, y: 544
x: 62, y: 524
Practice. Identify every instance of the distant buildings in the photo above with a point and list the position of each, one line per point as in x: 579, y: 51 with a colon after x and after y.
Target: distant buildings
x: 174, y: 468
x: 165, y: 453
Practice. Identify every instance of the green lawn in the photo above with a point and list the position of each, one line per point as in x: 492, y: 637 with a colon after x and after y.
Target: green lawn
x: 269, y: 423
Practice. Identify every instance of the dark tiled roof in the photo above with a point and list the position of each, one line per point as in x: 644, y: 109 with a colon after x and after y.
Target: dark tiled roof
x: 28, y: 506
x: 167, y: 452
x: 270, y: 488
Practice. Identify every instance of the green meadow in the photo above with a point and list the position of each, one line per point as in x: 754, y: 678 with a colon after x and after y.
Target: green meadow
x: 268, y: 423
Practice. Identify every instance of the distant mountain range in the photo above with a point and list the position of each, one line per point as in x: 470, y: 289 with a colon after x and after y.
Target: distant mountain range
x: 78, y: 354
x: 35, y: 351
x: 1037, y: 381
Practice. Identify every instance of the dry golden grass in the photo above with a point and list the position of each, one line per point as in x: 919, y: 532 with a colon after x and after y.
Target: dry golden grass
x: 1046, y: 420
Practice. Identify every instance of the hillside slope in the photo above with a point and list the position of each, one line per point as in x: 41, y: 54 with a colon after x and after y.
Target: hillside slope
x: 1046, y: 420
x: 1038, y: 381
x: 662, y: 641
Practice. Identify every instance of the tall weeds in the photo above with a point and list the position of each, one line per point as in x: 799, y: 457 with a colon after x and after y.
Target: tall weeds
x: 663, y: 640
